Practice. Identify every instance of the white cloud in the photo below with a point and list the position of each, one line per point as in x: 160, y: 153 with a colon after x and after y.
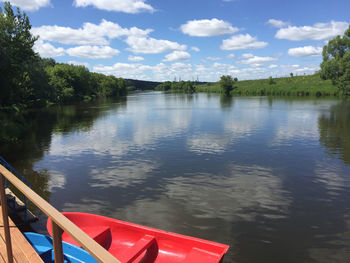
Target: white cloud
x: 207, y: 28
x: 93, y: 52
x: 307, y: 69
x: 78, y: 63
x: 89, y: 34
x: 195, y: 49
x: 318, y: 31
x: 247, y: 55
x: 210, y: 72
x: 305, y: 51
x: 255, y: 61
x: 135, y: 58
x: 277, y: 23
x: 126, y: 6
x: 148, y: 45
x: 47, y: 50
x: 159, y: 72
x: 211, y: 58
x: 242, y: 42
x: 177, y: 55
x: 32, y: 5
x: 230, y: 55
x: 123, y: 70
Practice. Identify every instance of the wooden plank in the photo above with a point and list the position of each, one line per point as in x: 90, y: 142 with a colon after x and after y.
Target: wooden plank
x: 5, y: 220
x: 2, y: 260
x: 3, y: 251
x: 86, y: 242
x: 24, y: 246
x: 57, y: 243
x: 22, y: 251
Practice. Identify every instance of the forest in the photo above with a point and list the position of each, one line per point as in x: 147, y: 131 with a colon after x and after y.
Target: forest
x: 27, y: 80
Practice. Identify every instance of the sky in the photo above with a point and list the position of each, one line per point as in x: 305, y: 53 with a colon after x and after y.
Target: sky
x: 187, y: 39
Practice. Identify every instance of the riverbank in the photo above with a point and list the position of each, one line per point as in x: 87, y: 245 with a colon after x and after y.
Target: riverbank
x: 307, y: 85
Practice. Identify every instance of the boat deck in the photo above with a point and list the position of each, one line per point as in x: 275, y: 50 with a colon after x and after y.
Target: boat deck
x: 22, y: 251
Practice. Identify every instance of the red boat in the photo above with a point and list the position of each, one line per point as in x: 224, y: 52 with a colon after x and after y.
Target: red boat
x: 134, y: 243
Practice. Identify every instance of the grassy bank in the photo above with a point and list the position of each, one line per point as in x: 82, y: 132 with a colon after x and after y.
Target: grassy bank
x: 308, y: 85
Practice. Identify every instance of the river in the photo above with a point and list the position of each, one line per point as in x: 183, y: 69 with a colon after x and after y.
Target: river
x: 268, y: 176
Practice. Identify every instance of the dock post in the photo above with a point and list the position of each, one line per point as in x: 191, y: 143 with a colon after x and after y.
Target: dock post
x: 57, y: 242
x: 5, y: 220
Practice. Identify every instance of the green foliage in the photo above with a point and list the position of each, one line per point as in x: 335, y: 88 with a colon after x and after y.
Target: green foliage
x: 227, y: 84
x: 71, y: 83
x: 311, y: 85
x: 28, y: 80
x: 336, y: 62
x: 16, y: 56
x: 271, y: 81
x: 165, y: 86
x: 180, y: 86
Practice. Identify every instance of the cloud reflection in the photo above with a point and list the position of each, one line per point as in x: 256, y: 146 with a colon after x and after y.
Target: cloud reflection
x: 330, y: 176
x: 230, y: 197
x: 208, y: 143
x: 123, y: 174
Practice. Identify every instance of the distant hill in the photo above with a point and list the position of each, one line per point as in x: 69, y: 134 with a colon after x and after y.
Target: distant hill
x: 134, y: 84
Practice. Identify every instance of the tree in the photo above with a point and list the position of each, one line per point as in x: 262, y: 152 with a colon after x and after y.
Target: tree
x: 16, y: 56
x: 336, y: 62
x: 227, y: 84
x: 121, y: 87
x: 165, y: 86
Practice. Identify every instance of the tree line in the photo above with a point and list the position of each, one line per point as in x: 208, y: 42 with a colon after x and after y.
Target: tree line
x: 181, y: 86
x: 27, y: 80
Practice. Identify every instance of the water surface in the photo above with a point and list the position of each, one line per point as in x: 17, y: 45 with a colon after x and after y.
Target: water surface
x: 268, y: 176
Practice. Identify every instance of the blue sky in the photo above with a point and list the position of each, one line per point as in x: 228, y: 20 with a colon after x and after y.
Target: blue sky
x: 168, y: 39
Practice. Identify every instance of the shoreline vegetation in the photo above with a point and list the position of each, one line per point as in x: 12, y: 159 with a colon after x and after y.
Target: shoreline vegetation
x: 306, y: 85
x: 29, y: 81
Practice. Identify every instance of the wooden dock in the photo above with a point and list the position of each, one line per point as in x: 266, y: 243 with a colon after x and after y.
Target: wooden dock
x: 22, y: 251
x: 20, y: 248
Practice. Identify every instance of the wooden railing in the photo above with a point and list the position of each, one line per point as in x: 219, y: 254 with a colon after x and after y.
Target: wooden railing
x: 59, y: 223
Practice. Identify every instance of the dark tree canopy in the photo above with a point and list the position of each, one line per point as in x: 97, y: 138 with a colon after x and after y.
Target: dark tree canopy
x: 28, y: 80
x: 336, y: 62
x: 227, y: 84
x: 16, y: 55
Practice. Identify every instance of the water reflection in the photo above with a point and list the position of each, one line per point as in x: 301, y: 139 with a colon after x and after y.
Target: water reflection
x: 334, y: 127
x: 122, y: 174
x: 251, y: 188
x: 208, y: 143
x: 267, y: 176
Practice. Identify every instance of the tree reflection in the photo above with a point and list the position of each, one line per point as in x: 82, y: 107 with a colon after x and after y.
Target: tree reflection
x: 226, y: 102
x: 26, y: 136
x: 334, y: 128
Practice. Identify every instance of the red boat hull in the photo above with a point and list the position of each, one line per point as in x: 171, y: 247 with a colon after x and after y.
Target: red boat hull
x: 134, y: 243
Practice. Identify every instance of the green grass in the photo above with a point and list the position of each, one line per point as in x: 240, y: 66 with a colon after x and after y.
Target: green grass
x: 307, y: 85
